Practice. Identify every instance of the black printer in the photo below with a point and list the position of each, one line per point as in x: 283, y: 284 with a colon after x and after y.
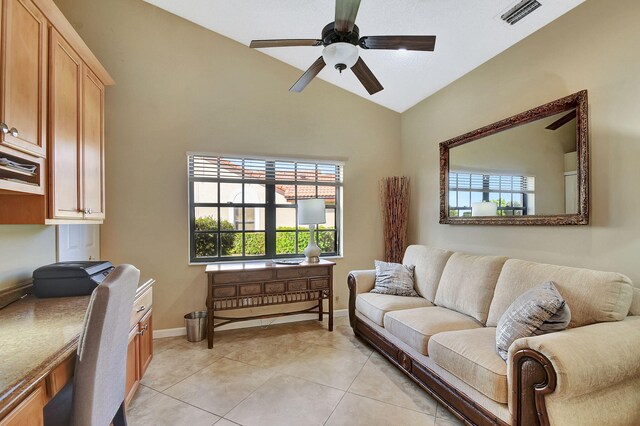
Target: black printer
x: 64, y: 279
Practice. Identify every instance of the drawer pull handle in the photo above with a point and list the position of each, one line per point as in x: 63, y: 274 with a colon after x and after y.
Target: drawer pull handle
x: 141, y: 308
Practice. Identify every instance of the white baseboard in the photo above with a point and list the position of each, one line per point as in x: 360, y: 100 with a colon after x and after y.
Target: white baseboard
x: 181, y: 331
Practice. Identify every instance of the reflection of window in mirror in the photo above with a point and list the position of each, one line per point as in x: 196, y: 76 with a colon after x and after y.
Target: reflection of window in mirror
x: 513, y: 195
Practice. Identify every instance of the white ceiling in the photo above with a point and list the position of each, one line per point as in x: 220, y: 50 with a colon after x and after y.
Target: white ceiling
x: 469, y: 33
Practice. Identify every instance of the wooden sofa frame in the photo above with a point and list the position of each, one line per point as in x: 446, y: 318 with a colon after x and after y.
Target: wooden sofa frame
x: 534, y: 377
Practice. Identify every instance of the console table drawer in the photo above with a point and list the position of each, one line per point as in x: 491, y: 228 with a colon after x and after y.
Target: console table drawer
x: 310, y: 271
x: 224, y: 291
x: 297, y: 285
x: 242, y: 277
x: 318, y: 283
x: 275, y: 287
x: 250, y: 289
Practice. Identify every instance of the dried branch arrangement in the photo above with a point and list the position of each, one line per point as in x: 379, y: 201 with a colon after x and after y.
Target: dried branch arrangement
x: 394, y: 205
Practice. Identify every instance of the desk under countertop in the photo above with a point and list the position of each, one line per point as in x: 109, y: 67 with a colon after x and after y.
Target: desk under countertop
x: 36, y: 335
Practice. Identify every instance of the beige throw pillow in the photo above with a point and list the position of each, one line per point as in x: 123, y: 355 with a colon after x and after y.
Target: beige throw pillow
x: 394, y: 278
x: 540, y: 310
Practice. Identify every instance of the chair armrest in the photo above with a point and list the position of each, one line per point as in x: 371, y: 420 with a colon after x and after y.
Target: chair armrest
x: 363, y: 281
x: 586, y: 359
x: 359, y: 282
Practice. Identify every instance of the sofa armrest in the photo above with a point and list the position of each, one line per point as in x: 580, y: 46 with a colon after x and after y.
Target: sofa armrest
x: 585, y: 359
x: 359, y: 282
x: 363, y: 281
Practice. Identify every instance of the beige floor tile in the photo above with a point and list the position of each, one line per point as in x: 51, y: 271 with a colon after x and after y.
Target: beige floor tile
x: 341, y: 337
x: 225, y: 422
x: 380, y: 380
x: 175, y: 364
x: 143, y: 394
x: 357, y: 410
x: 162, y: 410
x: 444, y: 417
x: 285, y: 400
x: 221, y: 386
x: 326, y: 366
x: 271, y: 352
x: 161, y: 345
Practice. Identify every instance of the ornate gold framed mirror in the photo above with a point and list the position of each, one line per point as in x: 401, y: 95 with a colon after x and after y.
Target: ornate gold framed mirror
x: 529, y: 169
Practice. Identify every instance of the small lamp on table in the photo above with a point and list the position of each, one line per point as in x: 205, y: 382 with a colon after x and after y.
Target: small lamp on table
x: 311, y: 212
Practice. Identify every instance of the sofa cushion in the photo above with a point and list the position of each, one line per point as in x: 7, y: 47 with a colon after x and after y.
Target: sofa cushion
x: 470, y: 355
x: 416, y: 326
x: 375, y: 306
x: 467, y: 284
x: 429, y: 263
x: 394, y: 278
x: 635, y: 303
x: 537, y: 311
x: 593, y: 296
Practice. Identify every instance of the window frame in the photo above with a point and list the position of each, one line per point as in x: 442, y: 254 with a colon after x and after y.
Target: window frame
x: 270, y: 208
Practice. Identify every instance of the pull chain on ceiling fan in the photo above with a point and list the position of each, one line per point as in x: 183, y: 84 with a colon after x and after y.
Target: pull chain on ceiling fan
x: 341, y: 40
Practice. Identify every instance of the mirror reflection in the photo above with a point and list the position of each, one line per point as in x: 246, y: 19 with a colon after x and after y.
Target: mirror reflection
x: 523, y: 171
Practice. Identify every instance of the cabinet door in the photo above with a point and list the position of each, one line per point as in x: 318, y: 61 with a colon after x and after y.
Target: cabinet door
x: 93, y: 145
x: 29, y: 412
x: 65, y: 185
x: 133, y: 376
x: 24, y: 77
x: 146, y: 342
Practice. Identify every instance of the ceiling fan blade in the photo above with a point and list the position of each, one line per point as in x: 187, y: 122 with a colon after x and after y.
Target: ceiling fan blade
x: 425, y: 43
x: 366, y: 77
x: 286, y: 42
x: 308, y: 75
x: 346, y: 12
x: 562, y: 121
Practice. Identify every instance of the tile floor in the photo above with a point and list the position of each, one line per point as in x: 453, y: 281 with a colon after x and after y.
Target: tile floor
x: 289, y: 374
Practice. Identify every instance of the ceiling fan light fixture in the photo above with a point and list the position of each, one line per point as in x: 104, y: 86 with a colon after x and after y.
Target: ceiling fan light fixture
x: 340, y: 55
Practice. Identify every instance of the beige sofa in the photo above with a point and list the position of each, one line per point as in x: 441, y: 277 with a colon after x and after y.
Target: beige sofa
x: 588, y: 374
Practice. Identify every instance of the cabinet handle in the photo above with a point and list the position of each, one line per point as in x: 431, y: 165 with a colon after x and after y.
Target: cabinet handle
x: 145, y: 328
x: 14, y: 132
x: 4, y: 128
x: 142, y: 307
x: 87, y: 210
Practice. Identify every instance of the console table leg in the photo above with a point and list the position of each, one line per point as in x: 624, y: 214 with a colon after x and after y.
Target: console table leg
x: 210, y: 329
x: 320, y: 307
x: 330, y: 311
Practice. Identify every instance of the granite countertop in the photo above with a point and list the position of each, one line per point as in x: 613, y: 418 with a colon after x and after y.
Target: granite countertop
x: 36, y: 335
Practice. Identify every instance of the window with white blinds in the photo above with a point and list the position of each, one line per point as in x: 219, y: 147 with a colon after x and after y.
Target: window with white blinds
x: 246, y: 207
x: 514, y: 194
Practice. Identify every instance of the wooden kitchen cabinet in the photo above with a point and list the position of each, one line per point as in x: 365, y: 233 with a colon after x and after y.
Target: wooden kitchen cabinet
x: 92, y: 146
x: 65, y: 184
x: 28, y: 412
x: 140, y: 348
x: 23, y: 108
x: 52, y: 103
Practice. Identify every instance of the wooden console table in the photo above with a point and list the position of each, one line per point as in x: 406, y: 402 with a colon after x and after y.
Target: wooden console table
x: 255, y: 284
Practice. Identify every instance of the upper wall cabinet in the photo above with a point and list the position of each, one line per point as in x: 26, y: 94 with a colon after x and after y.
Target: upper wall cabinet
x: 24, y: 77
x: 52, y: 111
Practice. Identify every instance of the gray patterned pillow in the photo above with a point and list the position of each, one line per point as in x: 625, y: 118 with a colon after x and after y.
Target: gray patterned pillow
x: 394, y: 278
x: 540, y: 310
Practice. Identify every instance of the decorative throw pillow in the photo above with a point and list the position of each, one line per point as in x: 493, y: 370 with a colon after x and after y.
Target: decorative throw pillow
x: 394, y: 278
x: 540, y: 310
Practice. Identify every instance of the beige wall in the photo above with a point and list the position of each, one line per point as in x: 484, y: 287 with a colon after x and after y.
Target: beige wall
x: 182, y: 88
x: 593, y: 47
x: 22, y: 249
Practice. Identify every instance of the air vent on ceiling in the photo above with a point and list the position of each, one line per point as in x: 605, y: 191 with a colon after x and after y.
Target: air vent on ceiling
x: 520, y: 10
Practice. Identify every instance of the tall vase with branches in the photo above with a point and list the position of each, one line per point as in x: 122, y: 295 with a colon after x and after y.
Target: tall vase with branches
x: 394, y: 205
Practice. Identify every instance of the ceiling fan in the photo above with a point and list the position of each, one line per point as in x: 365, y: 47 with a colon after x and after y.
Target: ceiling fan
x: 341, y: 39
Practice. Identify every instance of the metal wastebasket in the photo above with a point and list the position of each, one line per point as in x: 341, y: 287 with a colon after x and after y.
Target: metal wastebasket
x: 196, y: 326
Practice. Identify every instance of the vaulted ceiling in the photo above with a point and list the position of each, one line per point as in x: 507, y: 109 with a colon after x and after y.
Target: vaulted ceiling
x: 470, y: 32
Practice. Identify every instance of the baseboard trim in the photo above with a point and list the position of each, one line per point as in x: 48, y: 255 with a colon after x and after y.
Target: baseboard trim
x: 181, y: 331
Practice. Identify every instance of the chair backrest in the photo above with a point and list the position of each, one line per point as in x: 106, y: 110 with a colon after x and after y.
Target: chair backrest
x: 99, y: 381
